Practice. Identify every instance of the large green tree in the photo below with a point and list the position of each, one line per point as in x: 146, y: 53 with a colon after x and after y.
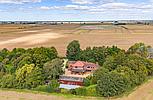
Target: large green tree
x: 73, y: 50
x: 29, y: 76
x: 112, y: 84
x: 54, y: 68
x: 35, y: 78
x: 139, y: 49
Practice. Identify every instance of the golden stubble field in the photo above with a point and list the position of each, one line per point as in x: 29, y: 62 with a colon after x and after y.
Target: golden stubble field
x: 25, y: 36
x: 16, y: 36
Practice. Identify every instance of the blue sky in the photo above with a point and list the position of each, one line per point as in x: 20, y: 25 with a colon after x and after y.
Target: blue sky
x: 75, y: 10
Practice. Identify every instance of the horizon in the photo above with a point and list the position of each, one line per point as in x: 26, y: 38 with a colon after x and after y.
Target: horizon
x: 68, y: 20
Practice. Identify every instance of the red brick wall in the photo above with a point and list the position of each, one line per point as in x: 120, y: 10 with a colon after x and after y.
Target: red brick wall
x: 71, y: 82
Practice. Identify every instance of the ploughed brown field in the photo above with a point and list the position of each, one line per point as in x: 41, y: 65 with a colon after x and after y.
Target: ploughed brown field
x: 25, y: 36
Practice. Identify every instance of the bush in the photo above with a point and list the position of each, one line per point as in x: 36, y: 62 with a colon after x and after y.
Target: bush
x: 43, y: 88
x: 81, y: 91
x: 65, y: 91
x: 52, y: 87
x: 8, y: 81
x: 91, y: 90
x: 73, y: 91
x: 87, y: 81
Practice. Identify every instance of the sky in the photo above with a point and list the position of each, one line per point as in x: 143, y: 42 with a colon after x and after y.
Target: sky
x: 75, y: 10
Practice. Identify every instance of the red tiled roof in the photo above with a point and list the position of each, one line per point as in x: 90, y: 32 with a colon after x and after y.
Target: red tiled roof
x: 82, y: 63
x: 79, y: 63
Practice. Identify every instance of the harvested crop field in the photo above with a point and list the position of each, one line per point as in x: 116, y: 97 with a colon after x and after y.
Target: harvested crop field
x: 12, y: 95
x: 16, y: 36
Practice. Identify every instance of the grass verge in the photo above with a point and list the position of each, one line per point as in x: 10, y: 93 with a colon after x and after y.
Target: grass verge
x: 66, y: 96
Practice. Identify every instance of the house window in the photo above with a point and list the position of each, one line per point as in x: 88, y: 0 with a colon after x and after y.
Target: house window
x: 88, y: 67
x: 76, y: 67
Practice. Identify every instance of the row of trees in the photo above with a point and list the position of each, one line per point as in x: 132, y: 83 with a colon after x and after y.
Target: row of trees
x: 39, y: 68
x: 29, y: 68
x: 95, y: 54
x: 120, y: 70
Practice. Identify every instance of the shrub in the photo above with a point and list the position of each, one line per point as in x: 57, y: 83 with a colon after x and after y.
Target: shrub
x: 91, y: 90
x: 73, y: 91
x: 8, y: 81
x: 43, y: 88
x: 87, y: 81
x: 81, y: 91
x: 52, y: 87
x: 65, y: 91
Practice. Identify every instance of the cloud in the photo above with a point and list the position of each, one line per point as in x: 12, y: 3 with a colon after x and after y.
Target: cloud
x: 83, y: 1
x: 67, y: 7
x: 126, y: 6
x: 102, y: 7
x: 92, y: 1
x: 19, y: 1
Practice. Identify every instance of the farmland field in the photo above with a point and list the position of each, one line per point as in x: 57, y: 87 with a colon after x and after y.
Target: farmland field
x: 26, y: 36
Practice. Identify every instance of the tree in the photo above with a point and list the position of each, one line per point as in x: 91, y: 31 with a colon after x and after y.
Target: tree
x: 29, y: 76
x: 86, y: 55
x: 129, y: 74
x: 112, y: 62
x: 99, y: 54
x: 53, y: 69
x: 113, y: 50
x: 8, y: 81
x: 112, y: 84
x: 22, y: 73
x: 98, y: 74
x: 2, y: 68
x: 35, y: 78
x: 73, y: 50
x: 22, y: 60
x: 4, y: 53
x: 42, y: 55
x: 140, y: 49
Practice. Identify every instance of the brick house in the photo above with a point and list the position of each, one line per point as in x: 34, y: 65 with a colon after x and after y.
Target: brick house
x: 81, y: 67
x: 78, y: 70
